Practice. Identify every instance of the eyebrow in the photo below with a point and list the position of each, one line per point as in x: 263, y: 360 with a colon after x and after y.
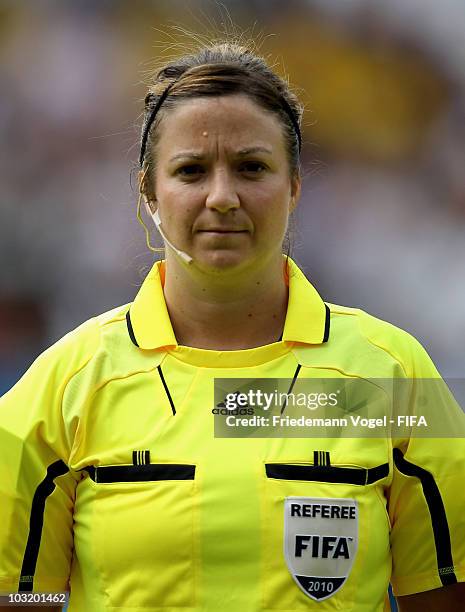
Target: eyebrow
x: 251, y: 150
x: 241, y: 153
x: 187, y: 155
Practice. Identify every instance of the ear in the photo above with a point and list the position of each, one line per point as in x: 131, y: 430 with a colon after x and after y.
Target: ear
x: 145, y: 186
x: 141, y: 179
x: 150, y: 204
x: 296, y: 186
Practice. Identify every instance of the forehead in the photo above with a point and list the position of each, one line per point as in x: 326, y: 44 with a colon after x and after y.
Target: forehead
x: 234, y: 121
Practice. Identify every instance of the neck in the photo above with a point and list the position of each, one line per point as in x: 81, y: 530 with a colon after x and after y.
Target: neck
x: 227, y: 311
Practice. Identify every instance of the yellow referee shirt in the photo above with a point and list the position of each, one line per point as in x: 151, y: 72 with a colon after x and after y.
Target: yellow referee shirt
x: 113, y: 485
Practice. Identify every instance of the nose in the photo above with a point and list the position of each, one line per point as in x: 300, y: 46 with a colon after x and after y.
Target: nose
x: 222, y: 195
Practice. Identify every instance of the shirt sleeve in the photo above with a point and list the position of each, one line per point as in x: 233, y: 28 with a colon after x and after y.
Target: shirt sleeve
x: 36, y: 486
x: 426, y: 500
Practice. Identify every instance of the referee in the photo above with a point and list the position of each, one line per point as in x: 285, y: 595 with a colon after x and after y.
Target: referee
x: 113, y: 485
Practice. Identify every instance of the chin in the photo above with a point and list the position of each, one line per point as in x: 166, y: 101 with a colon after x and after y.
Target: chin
x: 223, y: 261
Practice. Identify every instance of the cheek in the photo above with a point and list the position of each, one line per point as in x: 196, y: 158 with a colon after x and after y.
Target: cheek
x: 272, y: 213
x: 271, y: 227
x: 179, y: 220
x: 177, y: 208
x: 178, y: 216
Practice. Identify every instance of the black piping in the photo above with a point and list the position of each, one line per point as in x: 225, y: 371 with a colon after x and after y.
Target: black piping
x: 173, y: 409
x: 327, y: 324
x: 296, y: 373
x: 438, y: 515
x: 327, y: 473
x: 36, y: 523
x: 140, y: 473
x: 130, y: 329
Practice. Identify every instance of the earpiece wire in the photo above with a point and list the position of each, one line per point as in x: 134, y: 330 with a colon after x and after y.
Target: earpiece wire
x: 140, y: 219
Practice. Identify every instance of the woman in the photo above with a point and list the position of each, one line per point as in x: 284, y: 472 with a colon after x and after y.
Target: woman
x: 113, y: 480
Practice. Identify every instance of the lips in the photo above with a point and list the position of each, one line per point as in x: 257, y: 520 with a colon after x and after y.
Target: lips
x: 222, y: 230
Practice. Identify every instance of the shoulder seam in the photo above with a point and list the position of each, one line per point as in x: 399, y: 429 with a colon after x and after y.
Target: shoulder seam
x: 115, y: 319
x: 342, y: 310
x: 85, y: 363
x: 92, y: 354
x: 119, y: 315
x: 357, y: 312
x: 382, y: 348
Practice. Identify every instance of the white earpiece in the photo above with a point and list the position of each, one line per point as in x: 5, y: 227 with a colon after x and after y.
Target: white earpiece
x: 156, y: 219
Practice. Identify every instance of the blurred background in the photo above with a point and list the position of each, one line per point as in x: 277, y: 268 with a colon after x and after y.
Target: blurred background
x: 381, y: 221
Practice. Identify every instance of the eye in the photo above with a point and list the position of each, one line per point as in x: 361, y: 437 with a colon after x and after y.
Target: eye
x: 253, y: 167
x: 190, y: 170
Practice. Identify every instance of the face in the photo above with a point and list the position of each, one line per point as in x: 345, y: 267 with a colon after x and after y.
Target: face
x: 222, y: 182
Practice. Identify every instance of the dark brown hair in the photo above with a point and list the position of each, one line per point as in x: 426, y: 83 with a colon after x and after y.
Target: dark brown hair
x: 218, y: 70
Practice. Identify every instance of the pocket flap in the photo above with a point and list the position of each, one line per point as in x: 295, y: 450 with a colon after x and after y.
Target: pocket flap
x: 327, y: 473
x: 140, y: 473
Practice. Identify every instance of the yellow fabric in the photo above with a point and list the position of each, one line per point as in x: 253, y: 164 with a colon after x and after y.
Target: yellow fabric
x: 213, y: 542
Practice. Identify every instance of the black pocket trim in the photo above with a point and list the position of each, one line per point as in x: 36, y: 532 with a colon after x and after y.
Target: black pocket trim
x: 140, y: 473
x: 438, y: 515
x: 327, y: 473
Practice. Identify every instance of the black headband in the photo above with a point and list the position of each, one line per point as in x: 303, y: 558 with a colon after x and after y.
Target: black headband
x: 164, y: 95
x: 148, y: 123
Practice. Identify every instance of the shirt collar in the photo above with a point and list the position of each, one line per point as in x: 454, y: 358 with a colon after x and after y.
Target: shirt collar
x: 149, y: 325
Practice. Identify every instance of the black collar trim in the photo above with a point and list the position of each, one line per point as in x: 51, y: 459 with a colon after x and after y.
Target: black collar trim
x: 130, y: 329
x: 327, y: 324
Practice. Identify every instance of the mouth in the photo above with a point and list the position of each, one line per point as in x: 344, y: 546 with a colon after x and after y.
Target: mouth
x: 222, y: 231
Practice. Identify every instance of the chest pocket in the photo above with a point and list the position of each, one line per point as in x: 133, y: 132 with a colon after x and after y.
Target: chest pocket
x: 325, y: 536
x: 144, y: 524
